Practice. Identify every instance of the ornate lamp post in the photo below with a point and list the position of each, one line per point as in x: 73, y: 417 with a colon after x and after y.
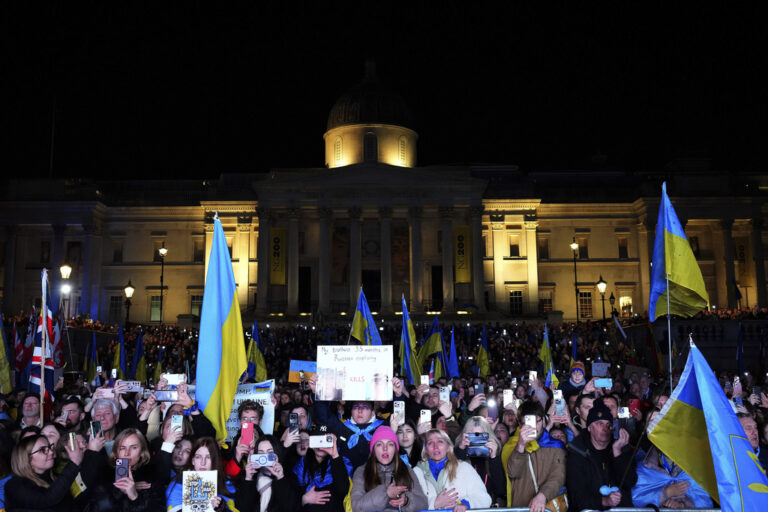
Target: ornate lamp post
x: 612, y: 300
x: 162, y: 251
x: 66, y: 288
x: 601, y: 285
x: 129, y: 289
x: 575, y: 248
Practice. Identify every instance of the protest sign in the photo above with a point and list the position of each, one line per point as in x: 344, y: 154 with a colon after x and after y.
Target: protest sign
x: 198, y: 491
x: 354, y: 372
x: 600, y: 369
x: 260, y: 393
x: 301, y: 371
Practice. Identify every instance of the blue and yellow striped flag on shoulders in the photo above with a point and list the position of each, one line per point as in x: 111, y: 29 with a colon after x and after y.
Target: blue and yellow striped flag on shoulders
x: 364, y: 327
x: 699, y: 431
x: 673, y: 256
x: 221, y: 356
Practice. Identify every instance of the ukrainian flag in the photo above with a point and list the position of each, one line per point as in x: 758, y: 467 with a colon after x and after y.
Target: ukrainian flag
x: 5, y: 364
x: 409, y: 366
x: 92, y: 361
x: 118, y: 361
x: 257, y: 368
x: 221, y: 356
x: 139, y: 370
x: 363, y: 326
x: 453, y: 360
x: 433, y: 343
x: 159, y: 366
x: 545, y: 354
x: 699, y: 431
x: 483, y: 366
x: 673, y: 257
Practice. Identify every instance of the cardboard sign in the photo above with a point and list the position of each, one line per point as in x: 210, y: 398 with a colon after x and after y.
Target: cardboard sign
x: 260, y: 393
x: 198, y: 491
x: 600, y: 369
x: 308, y: 367
x: 354, y: 372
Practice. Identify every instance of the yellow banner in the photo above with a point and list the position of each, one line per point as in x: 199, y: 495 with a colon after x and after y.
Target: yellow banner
x: 461, y: 254
x: 278, y: 253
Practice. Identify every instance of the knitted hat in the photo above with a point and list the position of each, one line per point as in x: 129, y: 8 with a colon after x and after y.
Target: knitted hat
x: 599, y: 411
x: 578, y: 365
x: 384, y: 432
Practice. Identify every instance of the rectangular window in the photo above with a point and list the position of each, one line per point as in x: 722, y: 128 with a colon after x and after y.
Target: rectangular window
x: 625, y: 305
x: 623, y: 248
x: 117, y: 251
x: 545, y: 301
x: 154, y: 309
x: 198, y: 251
x: 585, y: 304
x: 542, y: 247
x: 583, y: 248
x: 515, y: 302
x: 514, y: 246
x: 196, y: 305
x: 45, y: 252
x: 115, y: 309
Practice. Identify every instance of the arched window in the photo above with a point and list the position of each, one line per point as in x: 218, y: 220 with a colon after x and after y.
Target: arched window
x: 401, y: 149
x: 337, y: 150
x: 370, y: 147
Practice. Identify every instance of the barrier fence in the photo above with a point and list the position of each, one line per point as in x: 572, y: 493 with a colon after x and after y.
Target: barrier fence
x: 622, y: 509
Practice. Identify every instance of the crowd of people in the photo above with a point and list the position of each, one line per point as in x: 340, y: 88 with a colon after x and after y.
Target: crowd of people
x: 506, y: 439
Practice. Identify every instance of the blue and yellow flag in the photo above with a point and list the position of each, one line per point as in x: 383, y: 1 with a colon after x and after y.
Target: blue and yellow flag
x: 433, y: 342
x: 221, y: 358
x: 363, y: 326
x: 453, y: 360
x: 92, y: 362
x: 409, y: 366
x: 118, y: 361
x: 257, y: 368
x: 673, y: 257
x: 159, y: 366
x: 699, y: 431
x: 483, y: 366
x: 139, y: 370
x: 545, y: 354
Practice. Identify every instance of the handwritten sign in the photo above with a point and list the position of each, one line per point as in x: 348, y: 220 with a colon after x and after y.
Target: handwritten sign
x: 354, y: 372
x: 260, y: 393
x: 198, y: 491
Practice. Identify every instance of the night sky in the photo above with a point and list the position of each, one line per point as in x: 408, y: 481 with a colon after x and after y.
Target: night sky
x: 193, y: 90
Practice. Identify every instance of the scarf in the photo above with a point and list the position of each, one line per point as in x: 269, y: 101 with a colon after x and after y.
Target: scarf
x: 323, y: 477
x: 367, y: 432
x: 404, y: 458
x: 264, y: 485
x: 437, y: 467
x: 544, y: 441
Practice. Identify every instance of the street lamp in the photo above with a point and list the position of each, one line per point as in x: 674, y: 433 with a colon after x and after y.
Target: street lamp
x: 129, y: 289
x: 575, y: 248
x: 66, y: 288
x: 601, y: 285
x: 162, y: 251
x: 612, y: 300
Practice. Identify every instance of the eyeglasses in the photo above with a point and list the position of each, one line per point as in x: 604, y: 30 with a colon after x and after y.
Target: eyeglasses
x: 44, y: 449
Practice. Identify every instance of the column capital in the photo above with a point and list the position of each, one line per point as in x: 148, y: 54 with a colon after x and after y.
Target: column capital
x: 355, y: 212
x: 416, y: 212
x: 497, y: 221
x: 385, y: 212
x: 244, y: 218
x: 531, y: 225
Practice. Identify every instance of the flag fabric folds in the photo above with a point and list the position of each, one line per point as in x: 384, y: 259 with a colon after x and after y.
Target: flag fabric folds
x: 257, y: 368
x: 545, y: 354
x: 92, y: 362
x: 483, y: 365
x: 699, y: 431
x: 58, y: 343
x: 364, y: 327
x: 118, y: 360
x: 617, y: 323
x: 159, y: 366
x: 139, y: 370
x: 5, y: 364
x: 574, y: 350
x: 41, y: 374
x: 409, y: 366
x: 433, y: 342
x: 453, y: 360
x: 221, y: 358
x: 673, y: 257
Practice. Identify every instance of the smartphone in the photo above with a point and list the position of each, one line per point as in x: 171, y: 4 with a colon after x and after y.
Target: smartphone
x: 490, y: 388
x: 532, y: 375
x: 559, y: 402
x: 321, y: 441
x: 64, y: 415
x: 727, y: 384
x: 756, y: 391
x: 624, y: 412
x: 114, y: 373
x: 518, y: 403
x: 293, y: 422
x: 121, y: 468
x: 98, y: 369
x: 174, y: 379
x: 263, y: 459
x: 509, y: 396
x: 479, y: 389
x: 72, y: 440
x: 493, y: 410
x: 246, y: 433
x: 604, y: 383
x: 530, y: 420
x: 177, y: 420
x: 425, y: 380
x: 95, y: 429
x: 399, y: 408
x: 445, y: 394
x: 167, y: 395
x: 425, y: 416
x: 131, y: 386
x: 145, y: 394
x: 477, y: 446
x: 514, y: 382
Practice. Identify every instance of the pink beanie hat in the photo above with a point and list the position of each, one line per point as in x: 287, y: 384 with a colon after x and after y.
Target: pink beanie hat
x: 384, y: 432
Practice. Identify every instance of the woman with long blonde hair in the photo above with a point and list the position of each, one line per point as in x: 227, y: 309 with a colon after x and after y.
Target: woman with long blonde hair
x: 447, y: 481
x: 485, y: 458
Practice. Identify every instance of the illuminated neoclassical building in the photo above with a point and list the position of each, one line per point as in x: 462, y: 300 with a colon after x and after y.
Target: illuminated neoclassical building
x: 495, y: 240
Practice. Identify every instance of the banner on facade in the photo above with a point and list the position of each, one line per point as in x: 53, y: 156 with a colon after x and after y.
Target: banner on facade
x: 461, y: 254
x: 278, y: 248
x: 401, y: 254
x: 339, y: 255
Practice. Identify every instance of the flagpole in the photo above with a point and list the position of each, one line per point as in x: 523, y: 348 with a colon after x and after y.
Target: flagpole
x: 43, y: 346
x: 669, y: 335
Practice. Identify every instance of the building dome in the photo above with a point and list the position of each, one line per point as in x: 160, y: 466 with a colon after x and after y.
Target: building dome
x: 370, y: 102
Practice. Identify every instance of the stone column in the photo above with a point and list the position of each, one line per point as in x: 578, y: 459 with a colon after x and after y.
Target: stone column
x: 10, y: 301
x: 478, y: 275
x: 644, y: 252
x: 355, y: 256
x: 500, y: 248
x: 262, y: 258
x: 56, y: 262
x: 415, y: 213
x: 324, y: 265
x: 729, y: 256
x: 759, y: 258
x: 532, y: 257
x: 293, y: 262
x: 446, y: 216
x: 385, y: 213
x: 208, y: 240
x: 85, y: 283
x: 243, y: 256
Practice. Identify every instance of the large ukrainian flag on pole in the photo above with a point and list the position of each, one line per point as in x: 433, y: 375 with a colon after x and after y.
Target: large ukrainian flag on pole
x: 433, y: 343
x: 673, y: 258
x: 545, y: 354
x: 221, y: 350
x: 364, y: 327
x: 483, y: 365
x: 409, y: 366
x: 699, y: 431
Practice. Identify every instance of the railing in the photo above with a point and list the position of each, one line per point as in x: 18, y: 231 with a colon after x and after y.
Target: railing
x: 618, y: 509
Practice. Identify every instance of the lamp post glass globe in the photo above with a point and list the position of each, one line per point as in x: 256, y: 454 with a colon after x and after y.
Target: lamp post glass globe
x: 66, y: 271
x: 66, y: 289
x: 129, y: 289
x: 601, y: 285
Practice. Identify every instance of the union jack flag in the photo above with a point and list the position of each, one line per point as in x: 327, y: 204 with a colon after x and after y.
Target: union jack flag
x: 24, y: 343
x: 45, y: 322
